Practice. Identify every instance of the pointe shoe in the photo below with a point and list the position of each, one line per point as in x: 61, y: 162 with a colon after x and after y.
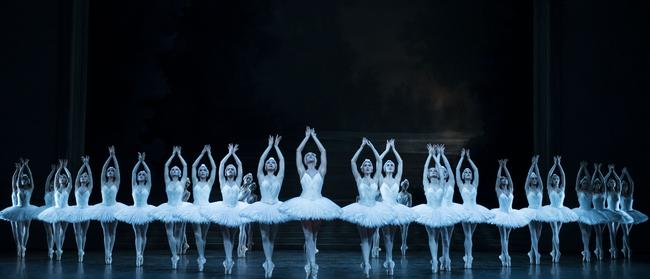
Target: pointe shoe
x: 23, y: 251
x: 404, y: 248
x: 50, y: 253
x: 108, y: 259
x: 502, y: 258
x: 366, y: 270
x: 314, y: 271
x: 201, y: 262
x: 531, y: 258
x: 268, y: 269
x: 389, y: 266
x: 508, y: 260
x: 175, y: 262
x: 139, y: 260
x: 586, y: 256
x: 626, y: 252
x: 308, y: 270
x: 80, y: 256
x: 59, y: 253
x: 468, y: 261
x: 185, y: 248
x: 538, y: 256
x: 613, y: 253
x: 434, y: 266
x: 227, y: 266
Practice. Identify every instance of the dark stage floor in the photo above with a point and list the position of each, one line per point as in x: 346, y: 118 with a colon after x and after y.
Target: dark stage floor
x: 289, y: 264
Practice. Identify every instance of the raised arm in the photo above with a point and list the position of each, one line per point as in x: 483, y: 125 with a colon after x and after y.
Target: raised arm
x: 169, y: 162
x: 459, y: 181
x: 425, y: 172
x: 378, y: 163
x: 441, y: 179
x: 260, y: 164
x: 50, y: 176
x: 451, y: 180
x: 562, y: 174
x: 213, y: 165
x: 398, y: 158
x: 148, y: 172
x: 67, y: 172
x: 583, y: 167
x: 195, y: 178
x: 102, y: 180
x: 81, y: 169
x: 630, y: 182
x: 498, y: 182
x: 276, y: 145
x: 550, y: 172
x: 353, y: 161
x: 134, y: 172
x: 301, y: 146
x: 184, y: 164
x: 222, y: 175
x: 530, y: 171
x: 117, y: 167
x: 474, y: 169
x: 388, y: 146
x: 14, y: 178
x: 322, y: 168
x: 240, y: 168
x: 57, y: 174
x: 505, y: 169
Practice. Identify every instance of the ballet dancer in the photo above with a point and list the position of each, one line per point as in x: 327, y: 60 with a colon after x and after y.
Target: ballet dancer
x: 139, y: 215
x: 389, y: 190
x: 171, y: 212
x: 476, y: 214
x: 434, y: 215
x: 587, y: 216
x: 627, y: 191
x: 613, y: 205
x: 448, y: 231
x: 14, y: 191
x: 104, y: 212
x: 77, y: 214
x: 556, y: 213
x: 202, y: 181
x: 404, y: 198
x: 505, y: 217
x: 311, y: 208
x: 227, y: 212
x: 246, y: 195
x: 534, y: 187
x: 367, y: 213
x: 598, y: 201
x: 266, y: 212
x: 23, y: 212
x: 55, y: 215
x: 48, y: 198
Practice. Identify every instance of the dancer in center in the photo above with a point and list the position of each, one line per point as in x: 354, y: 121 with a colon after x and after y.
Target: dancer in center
x: 311, y: 207
x: 48, y: 198
x: 534, y: 187
x: 367, y: 213
x: 55, y: 215
x: 266, y: 211
x: 613, y: 205
x: 389, y: 189
x: 448, y: 201
x: 588, y: 218
x: 227, y: 212
x: 77, y: 214
x: 202, y: 181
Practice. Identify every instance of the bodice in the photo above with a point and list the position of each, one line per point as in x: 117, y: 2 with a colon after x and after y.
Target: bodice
x: 584, y: 200
x: 505, y: 201
x: 367, y: 192
x: 81, y: 197
x: 598, y: 200
x: 557, y: 198
x: 140, y: 195
x: 49, y: 199
x: 468, y: 193
x: 270, y: 189
x: 626, y: 203
x: 534, y: 198
x: 613, y: 199
x: 201, y: 192
x: 175, y: 191
x: 230, y: 193
x: 389, y: 193
x: 311, y: 186
x: 448, y: 196
x: 434, y: 196
x: 61, y: 198
x: 109, y: 194
x: 23, y: 197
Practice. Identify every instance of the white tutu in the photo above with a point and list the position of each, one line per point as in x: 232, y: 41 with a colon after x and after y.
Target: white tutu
x: 373, y: 216
x: 477, y: 213
x: 437, y: 217
x: 170, y: 214
x: 509, y: 219
x: 104, y: 213
x: 20, y: 213
x: 264, y: 213
x: 300, y: 208
x: 637, y: 216
x: 402, y: 214
x: 136, y: 215
x: 53, y: 214
x: 620, y: 216
x: 533, y: 213
x: 562, y: 214
x: 589, y: 216
x: 193, y: 213
x: 225, y: 215
x: 75, y: 214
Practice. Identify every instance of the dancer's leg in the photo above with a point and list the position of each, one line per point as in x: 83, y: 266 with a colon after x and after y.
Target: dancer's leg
x: 200, y: 235
x: 585, y: 231
x: 241, y: 245
x: 366, y: 235
x: 445, y: 262
x: 268, y: 233
x: 468, y: 230
x: 404, y: 230
x: 599, y: 241
x: 173, y: 241
x: 389, y: 237
x: 49, y: 237
x: 80, y: 230
x: 433, y: 247
x: 228, y: 245
x: 613, y: 229
x: 140, y: 242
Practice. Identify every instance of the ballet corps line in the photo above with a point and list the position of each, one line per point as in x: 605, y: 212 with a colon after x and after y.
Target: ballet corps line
x: 604, y: 201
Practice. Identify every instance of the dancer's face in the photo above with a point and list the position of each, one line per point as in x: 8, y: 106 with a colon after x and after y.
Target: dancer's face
x: 310, y: 158
x: 503, y: 181
x: 231, y: 171
x: 175, y: 172
x: 84, y: 178
x: 248, y: 179
x: 366, y: 167
x: 625, y: 187
x: 63, y: 179
x: 203, y: 172
x: 467, y: 174
x: 584, y: 182
x: 389, y: 166
x: 110, y: 172
x: 555, y: 180
x: 611, y: 183
x: 24, y: 179
x: 271, y: 165
x: 445, y: 173
x: 533, y: 180
x: 433, y: 173
x: 142, y: 177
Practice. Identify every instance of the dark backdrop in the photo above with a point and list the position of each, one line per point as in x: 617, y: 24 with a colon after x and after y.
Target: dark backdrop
x: 163, y: 73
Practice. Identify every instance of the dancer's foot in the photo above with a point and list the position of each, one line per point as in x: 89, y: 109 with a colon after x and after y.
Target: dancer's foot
x: 538, y: 256
x: 201, y: 262
x: 139, y: 260
x: 599, y: 254
x: 404, y: 248
x: 184, y: 249
x: 434, y: 266
x: 268, y: 269
x: 389, y: 266
x: 531, y: 258
x: 80, y: 256
x: 314, y: 271
x: 108, y: 259
x: 586, y: 256
x: 59, y: 253
x: 626, y: 252
x: 227, y: 266
x: 175, y: 262
x: 468, y: 261
x: 23, y: 250
x: 50, y: 253
x: 502, y: 258
x: 375, y: 252
x: 308, y: 270
x: 613, y: 253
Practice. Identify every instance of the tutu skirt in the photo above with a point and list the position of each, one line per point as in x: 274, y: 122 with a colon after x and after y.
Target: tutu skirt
x: 170, y: 214
x: 264, y: 213
x: 509, y: 219
x: 53, y: 214
x: 589, y: 216
x: 637, y: 216
x: 619, y: 216
x: 75, y: 214
x: 562, y: 214
x: 225, y: 215
x: 533, y: 213
x: 20, y: 213
x: 193, y: 213
x: 369, y: 216
x: 437, y: 217
x: 477, y: 214
x: 300, y: 208
x: 402, y: 214
x: 136, y: 215
x: 104, y: 213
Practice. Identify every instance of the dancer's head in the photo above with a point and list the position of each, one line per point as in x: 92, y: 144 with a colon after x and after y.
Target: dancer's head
x: 24, y: 180
x: 584, y: 183
x: 203, y: 172
x: 405, y: 185
x: 230, y: 171
x: 503, y: 182
x: 110, y: 173
x: 389, y: 167
x: 534, y: 180
x: 84, y: 179
x: 467, y: 175
x: 625, y: 188
x: 366, y: 167
x: 310, y: 159
x: 555, y: 180
x: 248, y: 179
x: 445, y: 173
x: 175, y: 172
x: 611, y: 184
x: 271, y: 165
x: 142, y: 177
x: 63, y: 179
x: 598, y: 185
x: 433, y: 173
